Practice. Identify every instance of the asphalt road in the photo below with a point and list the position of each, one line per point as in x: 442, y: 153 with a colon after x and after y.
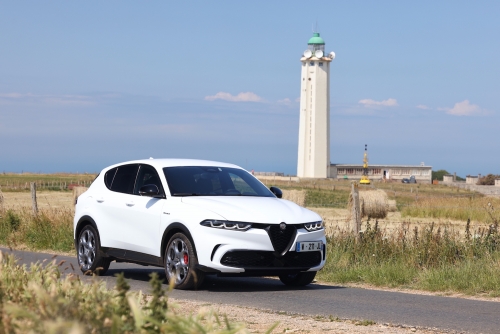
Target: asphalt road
x: 462, y: 315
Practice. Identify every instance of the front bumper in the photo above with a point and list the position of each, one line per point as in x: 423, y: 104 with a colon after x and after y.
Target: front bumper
x: 252, y: 252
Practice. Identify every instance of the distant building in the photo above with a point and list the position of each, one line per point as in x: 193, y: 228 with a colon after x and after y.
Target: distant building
x: 422, y: 173
x: 314, y: 126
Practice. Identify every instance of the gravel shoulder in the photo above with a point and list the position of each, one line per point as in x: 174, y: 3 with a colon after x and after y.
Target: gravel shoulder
x: 260, y: 320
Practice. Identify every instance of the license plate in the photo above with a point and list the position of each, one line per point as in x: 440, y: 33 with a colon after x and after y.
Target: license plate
x: 309, y: 246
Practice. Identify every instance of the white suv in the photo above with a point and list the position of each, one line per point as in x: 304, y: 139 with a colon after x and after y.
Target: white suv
x: 194, y: 218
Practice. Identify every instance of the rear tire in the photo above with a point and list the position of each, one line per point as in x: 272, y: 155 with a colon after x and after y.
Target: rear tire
x: 88, y: 253
x: 180, y: 263
x: 299, y: 279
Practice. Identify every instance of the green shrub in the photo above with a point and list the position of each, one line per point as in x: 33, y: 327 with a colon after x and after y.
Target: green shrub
x: 45, y: 233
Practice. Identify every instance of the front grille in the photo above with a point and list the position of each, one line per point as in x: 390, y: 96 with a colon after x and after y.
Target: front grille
x: 247, y: 259
x: 265, y: 259
x: 281, y: 239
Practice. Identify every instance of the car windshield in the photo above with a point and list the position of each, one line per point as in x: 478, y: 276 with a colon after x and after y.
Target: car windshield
x: 213, y: 181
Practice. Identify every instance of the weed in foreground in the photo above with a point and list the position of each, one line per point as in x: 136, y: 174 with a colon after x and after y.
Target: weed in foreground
x: 37, y: 299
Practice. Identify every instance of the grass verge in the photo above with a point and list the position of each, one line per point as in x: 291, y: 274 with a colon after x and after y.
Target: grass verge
x: 426, y: 259
x: 51, y: 229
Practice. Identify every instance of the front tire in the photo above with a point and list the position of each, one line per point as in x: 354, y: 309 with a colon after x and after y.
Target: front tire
x: 299, y: 279
x: 89, y: 252
x: 180, y: 263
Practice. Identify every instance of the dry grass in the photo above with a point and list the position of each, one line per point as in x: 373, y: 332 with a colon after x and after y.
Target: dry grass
x: 475, y: 209
x: 296, y: 196
x: 77, y: 191
x: 19, y: 201
x: 1, y: 200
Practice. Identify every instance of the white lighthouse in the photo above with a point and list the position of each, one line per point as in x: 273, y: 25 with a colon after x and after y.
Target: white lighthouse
x: 314, y: 128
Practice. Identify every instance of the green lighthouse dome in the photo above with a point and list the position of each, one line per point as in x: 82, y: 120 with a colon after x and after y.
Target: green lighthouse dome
x: 316, y: 40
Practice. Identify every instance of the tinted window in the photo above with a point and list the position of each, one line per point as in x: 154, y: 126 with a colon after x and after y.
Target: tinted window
x: 124, y: 179
x: 147, y: 175
x: 108, y: 177
x: 213, y: 181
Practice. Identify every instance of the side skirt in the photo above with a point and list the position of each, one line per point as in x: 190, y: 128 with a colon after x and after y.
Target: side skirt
x: 122, y: 255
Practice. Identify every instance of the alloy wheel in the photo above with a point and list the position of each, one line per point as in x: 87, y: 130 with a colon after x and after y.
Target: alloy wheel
x: 86, y: 249
x: 177, y: 262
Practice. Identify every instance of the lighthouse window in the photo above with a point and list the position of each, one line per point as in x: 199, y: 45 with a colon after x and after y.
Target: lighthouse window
x: 311, y: 63
x: 320, y: 64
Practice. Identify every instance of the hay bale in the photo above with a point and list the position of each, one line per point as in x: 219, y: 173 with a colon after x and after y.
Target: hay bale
x: 77, y: 191
x: 374, y: 203
x: 296, y: 196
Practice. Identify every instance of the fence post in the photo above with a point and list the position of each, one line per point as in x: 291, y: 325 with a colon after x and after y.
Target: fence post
x: 355, y: 209
x: 1, y: 200
x: 33, y: 198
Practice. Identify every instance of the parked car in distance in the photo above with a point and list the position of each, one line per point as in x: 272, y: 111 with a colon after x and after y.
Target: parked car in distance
x: 195, y: 218
x: 410, y: 180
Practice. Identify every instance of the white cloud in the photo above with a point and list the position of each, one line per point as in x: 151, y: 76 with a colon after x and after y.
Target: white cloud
x: 241, y: 97
x: 464, y: 108
x: 384, y: 103
x: 423, y: 106
x: 287, y: 102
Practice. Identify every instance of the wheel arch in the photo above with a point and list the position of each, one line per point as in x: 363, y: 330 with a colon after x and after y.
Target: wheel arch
x: 169, y: 232
x: 82, y: 222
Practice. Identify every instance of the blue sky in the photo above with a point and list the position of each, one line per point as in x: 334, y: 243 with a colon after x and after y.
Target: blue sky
x: 87, y: 84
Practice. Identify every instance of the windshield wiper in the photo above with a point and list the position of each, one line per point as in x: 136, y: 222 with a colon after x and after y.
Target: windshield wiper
x: 185, y: 194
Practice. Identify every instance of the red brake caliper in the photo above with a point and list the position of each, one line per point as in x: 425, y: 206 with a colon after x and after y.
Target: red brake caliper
x: 186, y: 258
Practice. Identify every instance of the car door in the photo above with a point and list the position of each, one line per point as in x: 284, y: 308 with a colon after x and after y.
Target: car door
x: 144, y: 214
x: 114, y: 207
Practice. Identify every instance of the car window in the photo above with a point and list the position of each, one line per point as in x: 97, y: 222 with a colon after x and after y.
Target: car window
x: 213, y: 181
x: 147, y: 175
x: 108, y: 177
x: 241, y: 185
x: 124, y: 179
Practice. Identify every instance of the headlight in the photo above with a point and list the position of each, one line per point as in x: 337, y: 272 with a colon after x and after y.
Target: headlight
x: 226, y: 225
x: 315, y: 226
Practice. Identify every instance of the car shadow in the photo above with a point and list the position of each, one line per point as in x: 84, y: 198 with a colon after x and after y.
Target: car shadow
x: 213, y: 283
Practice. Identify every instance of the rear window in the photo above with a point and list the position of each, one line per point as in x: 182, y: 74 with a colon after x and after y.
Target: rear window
x: 213, y: 181
x: 124, y: 179
x: 109, y: 176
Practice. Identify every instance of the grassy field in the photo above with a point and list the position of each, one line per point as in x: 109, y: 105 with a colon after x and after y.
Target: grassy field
x: 21, y: 182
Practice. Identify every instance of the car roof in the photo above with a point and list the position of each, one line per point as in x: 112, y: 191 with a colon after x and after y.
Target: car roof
x: 161, y: 163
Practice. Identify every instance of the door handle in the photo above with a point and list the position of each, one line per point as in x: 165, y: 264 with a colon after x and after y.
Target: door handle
x: 131, y: 203
x: 100, y: 199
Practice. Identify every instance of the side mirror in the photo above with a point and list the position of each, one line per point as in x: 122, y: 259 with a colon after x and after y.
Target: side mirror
x: 276, y: 191
x: 149, y: 190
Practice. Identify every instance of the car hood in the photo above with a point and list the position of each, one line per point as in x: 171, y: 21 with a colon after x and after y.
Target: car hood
x: 264, y: 210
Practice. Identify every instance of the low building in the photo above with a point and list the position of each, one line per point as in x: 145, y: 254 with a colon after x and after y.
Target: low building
x: 471, y: 179
x: 448, y: 178
x: 422, y: 173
